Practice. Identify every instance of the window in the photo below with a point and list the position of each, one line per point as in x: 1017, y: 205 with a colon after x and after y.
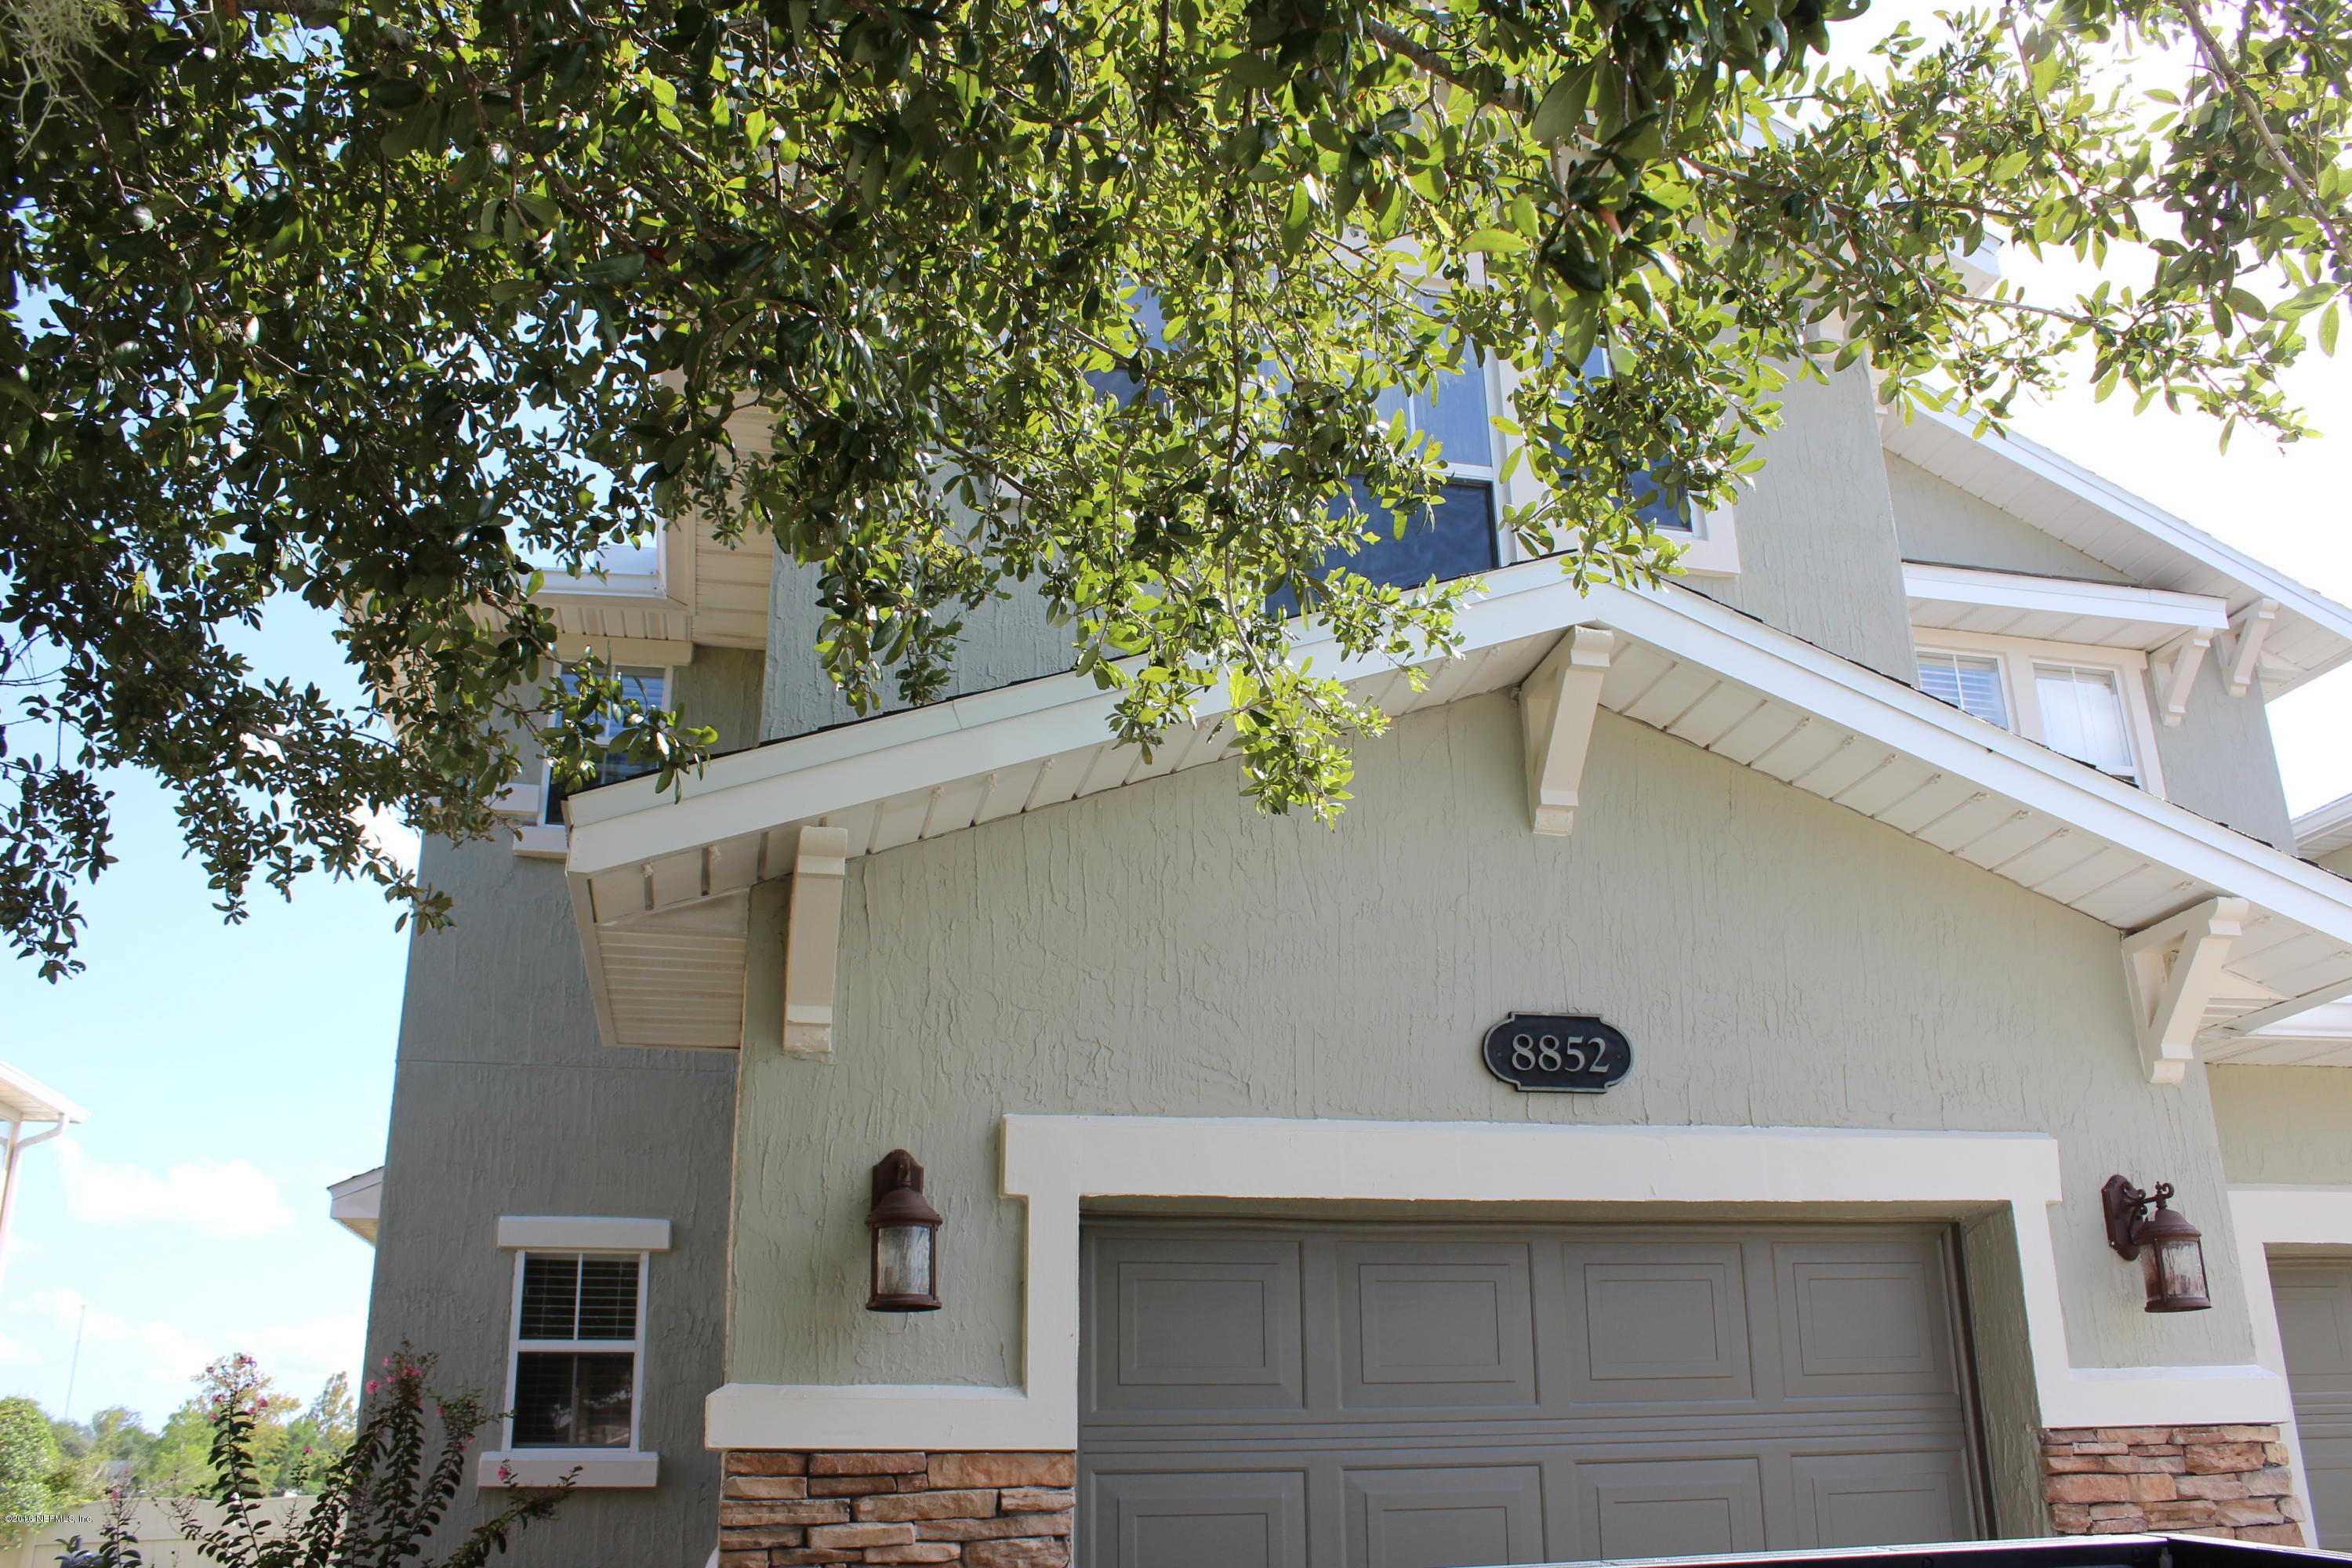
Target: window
x: 578, y: 1338
x: 1969, y: 683
x: 649, y: 686
x: 2083, y: 716
x: 2088, y: 703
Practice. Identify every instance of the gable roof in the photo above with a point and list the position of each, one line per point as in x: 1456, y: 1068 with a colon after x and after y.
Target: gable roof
x: 660, y: 885
x: 2313, y: 634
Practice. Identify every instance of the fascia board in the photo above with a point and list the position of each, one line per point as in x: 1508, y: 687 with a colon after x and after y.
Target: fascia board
x: 1943, y: 737
x: 24, y: 1097
x: 2105, y: 601
x: 2323, y: 828
x: 833, y: 770
x: 796, y: 780
x: 2260, y: 581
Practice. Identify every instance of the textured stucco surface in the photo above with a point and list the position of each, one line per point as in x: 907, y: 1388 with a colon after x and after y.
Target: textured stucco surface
x: 1163, y: 949
x: 504, y: 1102
x: 2284, y: 1125
x: 1942, y: 524
x: 2219, y: 761
x: 1818, y: 555
x: 1004, y: 640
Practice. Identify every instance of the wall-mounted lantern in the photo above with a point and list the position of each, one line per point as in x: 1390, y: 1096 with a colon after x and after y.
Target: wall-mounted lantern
x: 2176, y: 1257
x: 902, y: 1232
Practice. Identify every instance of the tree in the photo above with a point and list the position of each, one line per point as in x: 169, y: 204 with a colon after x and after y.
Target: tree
x: 35, y: 1481
x: 371, y: 302
x: 315, y: 1439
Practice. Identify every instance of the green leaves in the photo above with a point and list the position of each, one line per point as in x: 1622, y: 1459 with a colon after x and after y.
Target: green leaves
x: 1097, y: 306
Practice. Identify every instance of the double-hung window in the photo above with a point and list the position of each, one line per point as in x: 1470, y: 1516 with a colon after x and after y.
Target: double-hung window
x: 578, y: 1345
x: 2088, y: 703
x: 1455, y: 537
x: 649, y: 686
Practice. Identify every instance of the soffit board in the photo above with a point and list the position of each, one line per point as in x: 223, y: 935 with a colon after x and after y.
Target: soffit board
x: 643, y: 867
x: 2313, y: 634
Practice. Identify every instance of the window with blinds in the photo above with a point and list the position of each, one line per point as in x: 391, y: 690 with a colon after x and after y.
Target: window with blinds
x: 1969, y: 683
x: 577, y: 1341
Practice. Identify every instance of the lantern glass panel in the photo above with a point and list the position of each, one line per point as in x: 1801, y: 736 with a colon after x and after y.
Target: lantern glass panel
x: 902, y: 1260
x: 2176, y: 1274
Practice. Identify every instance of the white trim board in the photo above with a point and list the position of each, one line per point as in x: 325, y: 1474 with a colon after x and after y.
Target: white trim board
x: 1056, y: 1162
x: 2063, y: 596
x: 555, y: 1233
x: 548, y: 1466
x: 2265, y: 1216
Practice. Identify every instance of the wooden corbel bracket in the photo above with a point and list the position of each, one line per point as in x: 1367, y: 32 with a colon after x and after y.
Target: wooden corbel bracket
x: 812, y: 939
x: 2171, y: 970
x: 1556, y: 708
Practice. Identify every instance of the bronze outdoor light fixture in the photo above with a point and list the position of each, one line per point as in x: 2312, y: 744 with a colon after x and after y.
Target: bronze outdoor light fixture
x: 2176, y: 1257
x: 902, y: 1232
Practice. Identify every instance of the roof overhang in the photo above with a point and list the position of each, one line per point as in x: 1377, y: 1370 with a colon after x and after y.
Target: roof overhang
x: 2055, y: 609
x: 356, y: 1202
x: 24, y: 1097
x: 2310, y: 634
x: 661, y: 883
x: 2324, y: 829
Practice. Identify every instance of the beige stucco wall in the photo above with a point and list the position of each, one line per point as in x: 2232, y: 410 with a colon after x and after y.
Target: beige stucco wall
x: 1164, y: 950
x: 1942, y: 524
x: 2284, y: 1125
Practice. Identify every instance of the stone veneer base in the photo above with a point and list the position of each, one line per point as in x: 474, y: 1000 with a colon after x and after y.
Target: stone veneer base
x: 780, y: 1508
x: 2189, y: 1480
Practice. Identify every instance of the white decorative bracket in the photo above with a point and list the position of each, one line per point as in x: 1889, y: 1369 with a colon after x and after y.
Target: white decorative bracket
x: 1556, y: 706
x: 2171, y: 970
x: 2176, y: 665
x: 2247, y: 634
x: 812, y: 939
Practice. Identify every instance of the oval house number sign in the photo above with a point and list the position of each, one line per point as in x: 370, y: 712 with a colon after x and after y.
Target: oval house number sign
x: 1554, y: 1053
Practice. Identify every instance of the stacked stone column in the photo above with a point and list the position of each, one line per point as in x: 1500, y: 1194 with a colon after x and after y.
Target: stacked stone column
x: 2192, y: 1481
x: 782, y: 1509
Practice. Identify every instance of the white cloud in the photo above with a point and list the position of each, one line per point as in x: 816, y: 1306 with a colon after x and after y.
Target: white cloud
x: 223, y: 1199
x: 300, y: 1356
x: 383, y: 830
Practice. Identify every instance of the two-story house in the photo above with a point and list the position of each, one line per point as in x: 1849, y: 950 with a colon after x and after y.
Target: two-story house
x: 1678, y: 1108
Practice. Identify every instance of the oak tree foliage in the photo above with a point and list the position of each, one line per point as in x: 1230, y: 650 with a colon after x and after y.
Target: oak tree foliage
x: 372, y: 303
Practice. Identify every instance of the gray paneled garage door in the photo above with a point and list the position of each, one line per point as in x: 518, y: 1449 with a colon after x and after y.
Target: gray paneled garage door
x: 1265, y: 1395
x: 2315, y: 1316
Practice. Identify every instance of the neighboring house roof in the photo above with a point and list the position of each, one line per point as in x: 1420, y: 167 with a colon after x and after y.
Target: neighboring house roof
x: 24, y: 1097
x: 660, y: 883
x: 356, y: 1202
x: 2311, y: 633
x: 2324, y: 829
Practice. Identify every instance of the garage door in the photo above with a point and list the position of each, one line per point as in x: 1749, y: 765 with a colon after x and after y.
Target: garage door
x: 1265, y: 1395
x: 2314, y: 1315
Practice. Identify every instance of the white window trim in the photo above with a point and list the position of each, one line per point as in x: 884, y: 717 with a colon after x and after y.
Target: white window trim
x: 634, y: 1465
x: 2017, y: 656
x: 2289, y: 1218
x: 671, y: 548
x: 1056, y: 1163
x: 536, y: 838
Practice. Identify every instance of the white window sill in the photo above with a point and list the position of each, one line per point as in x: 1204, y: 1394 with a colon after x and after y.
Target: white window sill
x: 548, y: 1466
x: 537, y: 841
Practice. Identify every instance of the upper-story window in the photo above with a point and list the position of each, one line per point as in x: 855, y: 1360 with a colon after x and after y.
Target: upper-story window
x: 2088, y: 703
x: 646, y: 685
x: 579, y: 1320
